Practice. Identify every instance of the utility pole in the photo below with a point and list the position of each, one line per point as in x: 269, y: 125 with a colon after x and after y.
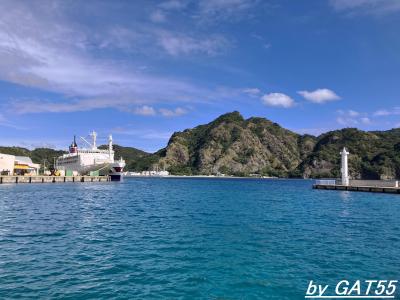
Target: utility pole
x: 44, y: 166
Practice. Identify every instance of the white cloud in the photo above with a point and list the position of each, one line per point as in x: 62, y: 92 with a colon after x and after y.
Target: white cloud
x: 178, y: 44
x: 32, y: 55
x: 353, y: 113
x: 319, y: 95
x: 145, y: 110
x: 365, y: 120
x: 173, y: 5
x: 5, y: 123
x: 346, y: 121
x: 350, y: 113
x: 367, y: 6
x: 35, y: 143
x: 278, y: 99
x: 61, y: 60
x: 158, y: 16
x: 387, y: 112
x: 252, y: 91
x: 352, y: 118
x: 172, y: 113
x: 382, y: 112
x: 143, y: 133
x: 312, y: 131
x: 267, y: 46
x: 217, y: 10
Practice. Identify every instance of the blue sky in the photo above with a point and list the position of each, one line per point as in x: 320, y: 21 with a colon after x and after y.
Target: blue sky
x: 144, y: 69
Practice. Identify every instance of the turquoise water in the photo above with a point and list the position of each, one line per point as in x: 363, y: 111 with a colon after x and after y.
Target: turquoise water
x: 191, y: 239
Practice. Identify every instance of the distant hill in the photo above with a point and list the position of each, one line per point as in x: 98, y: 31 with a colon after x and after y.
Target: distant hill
x: 233, y: 145
x: 136, y: 160
x: 37, y: 155
x: 237, y: 146
x: 373, y: 155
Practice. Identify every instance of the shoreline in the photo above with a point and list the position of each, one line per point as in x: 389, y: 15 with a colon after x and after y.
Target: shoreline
x: 211, y: 177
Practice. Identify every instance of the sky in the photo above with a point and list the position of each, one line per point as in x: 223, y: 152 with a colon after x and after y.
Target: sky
x: 141, y: 70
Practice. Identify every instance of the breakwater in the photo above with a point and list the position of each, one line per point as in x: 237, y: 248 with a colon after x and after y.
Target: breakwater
x: 52, y: 179
x: 373, y: 188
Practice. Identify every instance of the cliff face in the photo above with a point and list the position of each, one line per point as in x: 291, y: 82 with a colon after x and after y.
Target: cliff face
x: 232, y: 145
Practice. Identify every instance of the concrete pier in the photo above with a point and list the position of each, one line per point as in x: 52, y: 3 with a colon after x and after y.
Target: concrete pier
x: 356, y: 185
x: 52, y: 179
x: 358, y: 188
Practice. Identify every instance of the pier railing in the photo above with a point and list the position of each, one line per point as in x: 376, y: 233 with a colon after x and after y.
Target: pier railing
x: 359, y: 182
x: 326, y: 182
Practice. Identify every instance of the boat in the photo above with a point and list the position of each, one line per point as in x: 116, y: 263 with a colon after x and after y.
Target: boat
x: 91, y: 161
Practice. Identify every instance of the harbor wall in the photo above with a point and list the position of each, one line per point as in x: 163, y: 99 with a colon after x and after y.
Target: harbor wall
x: 359, y: 182
x: 52, y: 179
x: 375, y: 183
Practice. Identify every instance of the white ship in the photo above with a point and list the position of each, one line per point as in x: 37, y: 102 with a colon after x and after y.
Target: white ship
x: 87, y: 160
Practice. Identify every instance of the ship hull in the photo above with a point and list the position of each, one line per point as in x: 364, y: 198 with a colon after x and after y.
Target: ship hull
x: 116, y: 177
x: 116, y: 171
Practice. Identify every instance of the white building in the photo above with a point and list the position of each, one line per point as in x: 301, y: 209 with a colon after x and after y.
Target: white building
x: 147, y: 174
x: 23, y: 165
x: 7, y: 164
x: 17, y: 165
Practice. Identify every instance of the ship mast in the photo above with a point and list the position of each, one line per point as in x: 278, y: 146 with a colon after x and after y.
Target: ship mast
x: 110, y: 145
x: 93, y: 134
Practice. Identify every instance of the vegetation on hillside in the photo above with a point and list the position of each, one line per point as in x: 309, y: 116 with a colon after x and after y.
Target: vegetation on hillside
x: 233, y: 145
x: 37, y: 155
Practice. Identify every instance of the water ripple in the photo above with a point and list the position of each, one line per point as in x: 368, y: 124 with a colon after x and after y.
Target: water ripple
x: 191, y: 239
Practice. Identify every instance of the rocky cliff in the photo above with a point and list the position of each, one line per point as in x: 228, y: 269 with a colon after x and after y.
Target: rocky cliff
x: 237, y: 146
x: 232, y: 145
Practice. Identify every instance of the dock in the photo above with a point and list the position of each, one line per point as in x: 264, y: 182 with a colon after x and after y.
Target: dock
x: 373, y: 189
x: 390, y: 186
x: 52, y: 179
x: 372, y: 186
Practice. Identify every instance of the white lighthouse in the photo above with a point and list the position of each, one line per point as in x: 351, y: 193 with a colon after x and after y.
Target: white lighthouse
x: 345, y: 167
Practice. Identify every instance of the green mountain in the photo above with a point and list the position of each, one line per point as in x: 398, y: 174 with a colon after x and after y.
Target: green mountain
x: 237, y: 146
x: 136, y: 160
x: 37, y: 155
x: 373, y: 155
x: 233, y: 145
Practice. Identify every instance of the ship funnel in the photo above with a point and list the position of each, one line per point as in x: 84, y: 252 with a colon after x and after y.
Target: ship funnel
x: 74, y: 147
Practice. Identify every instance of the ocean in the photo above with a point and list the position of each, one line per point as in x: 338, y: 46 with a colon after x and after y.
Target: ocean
x: 154, y: 238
